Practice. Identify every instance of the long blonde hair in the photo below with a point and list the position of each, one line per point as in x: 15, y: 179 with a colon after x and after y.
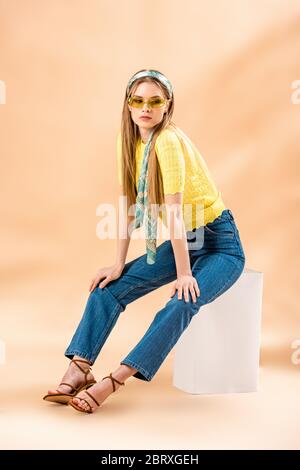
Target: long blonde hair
x: 129, y: 137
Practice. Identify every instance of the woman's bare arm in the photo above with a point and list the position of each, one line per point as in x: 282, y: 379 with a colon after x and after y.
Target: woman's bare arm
x: 123, y: 238
x: 185, y: 280
x: 173, y: 204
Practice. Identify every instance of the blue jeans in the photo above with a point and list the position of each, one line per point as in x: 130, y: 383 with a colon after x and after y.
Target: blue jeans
x: 216, y: 264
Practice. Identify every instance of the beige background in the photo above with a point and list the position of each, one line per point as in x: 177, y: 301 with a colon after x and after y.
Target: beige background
x: 65, y: 65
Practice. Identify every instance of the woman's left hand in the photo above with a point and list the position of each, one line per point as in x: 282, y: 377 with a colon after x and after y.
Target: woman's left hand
x: 185, y: 284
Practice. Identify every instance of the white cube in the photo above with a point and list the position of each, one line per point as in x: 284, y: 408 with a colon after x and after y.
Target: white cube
x: 219, y: 350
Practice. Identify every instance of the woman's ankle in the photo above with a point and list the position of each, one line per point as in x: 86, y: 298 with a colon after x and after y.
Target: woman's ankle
x: 123, y: 372
x: 79, y: 358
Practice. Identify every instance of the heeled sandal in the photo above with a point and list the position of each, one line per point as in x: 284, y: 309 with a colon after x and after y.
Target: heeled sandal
x: 64, y: 398
x: 78, y: 408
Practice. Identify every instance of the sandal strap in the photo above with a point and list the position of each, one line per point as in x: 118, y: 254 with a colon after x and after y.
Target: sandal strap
x: 93, y: 398
x: 85, y: 371
x: 69, y: 385
x: 113, y: 380
x: 83, y: 399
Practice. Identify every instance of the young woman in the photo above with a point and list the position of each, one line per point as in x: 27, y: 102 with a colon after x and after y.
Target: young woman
x: 158, y: 167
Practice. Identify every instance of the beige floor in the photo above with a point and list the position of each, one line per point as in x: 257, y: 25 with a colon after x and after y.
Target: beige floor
x: 141, y: 415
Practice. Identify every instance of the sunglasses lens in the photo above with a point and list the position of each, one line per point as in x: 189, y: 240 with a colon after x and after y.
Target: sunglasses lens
x: 136, y: 102
x: 157, y: 102
x: 153, y: 102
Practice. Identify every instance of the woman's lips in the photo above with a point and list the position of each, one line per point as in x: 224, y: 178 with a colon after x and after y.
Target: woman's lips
x: 145, y: 117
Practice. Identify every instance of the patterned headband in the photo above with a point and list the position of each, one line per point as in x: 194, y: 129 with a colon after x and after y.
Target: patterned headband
x: 151, y: 73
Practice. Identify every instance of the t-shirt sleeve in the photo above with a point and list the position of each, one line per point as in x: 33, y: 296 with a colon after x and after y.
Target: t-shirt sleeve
x: 171, y: 160
x: 119, y: 157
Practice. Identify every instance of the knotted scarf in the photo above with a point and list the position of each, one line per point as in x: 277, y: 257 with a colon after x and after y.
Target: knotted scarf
x: 142, y: 208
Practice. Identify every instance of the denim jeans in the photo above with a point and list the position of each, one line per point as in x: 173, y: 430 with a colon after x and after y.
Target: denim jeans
x: 216, y: 263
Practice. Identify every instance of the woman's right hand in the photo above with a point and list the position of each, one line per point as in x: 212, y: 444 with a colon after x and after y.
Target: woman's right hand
x: 110, y: 273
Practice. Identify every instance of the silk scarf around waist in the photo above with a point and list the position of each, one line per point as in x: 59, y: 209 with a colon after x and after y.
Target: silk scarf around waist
x: 142, y: 208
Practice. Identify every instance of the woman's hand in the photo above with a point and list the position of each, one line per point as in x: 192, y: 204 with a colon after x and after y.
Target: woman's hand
x: 110, y: 273
x: 186, y: 283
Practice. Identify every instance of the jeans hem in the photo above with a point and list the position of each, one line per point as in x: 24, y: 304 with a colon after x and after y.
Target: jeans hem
x: 69, y: 353
x: 142, y: 374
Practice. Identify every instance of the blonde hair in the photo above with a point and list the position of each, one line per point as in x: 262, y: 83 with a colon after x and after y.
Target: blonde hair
x: 129, y: 137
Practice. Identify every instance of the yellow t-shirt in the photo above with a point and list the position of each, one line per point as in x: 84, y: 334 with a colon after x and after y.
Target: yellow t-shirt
x: 183, y: 170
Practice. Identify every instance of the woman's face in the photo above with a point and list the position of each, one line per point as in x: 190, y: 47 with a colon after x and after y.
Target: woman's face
x: 147, y: 90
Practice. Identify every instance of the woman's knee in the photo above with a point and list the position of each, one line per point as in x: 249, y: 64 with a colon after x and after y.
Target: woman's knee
x: 180, y: 306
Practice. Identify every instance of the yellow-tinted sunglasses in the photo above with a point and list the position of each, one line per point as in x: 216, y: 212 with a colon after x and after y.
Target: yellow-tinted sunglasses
x: 153, y: 102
